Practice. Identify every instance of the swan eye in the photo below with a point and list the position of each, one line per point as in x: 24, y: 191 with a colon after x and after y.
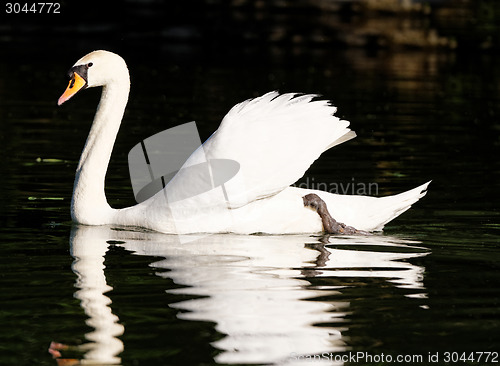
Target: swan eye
x: 90, y: 64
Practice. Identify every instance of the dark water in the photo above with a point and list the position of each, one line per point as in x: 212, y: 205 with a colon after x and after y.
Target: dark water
x: 430, y: 284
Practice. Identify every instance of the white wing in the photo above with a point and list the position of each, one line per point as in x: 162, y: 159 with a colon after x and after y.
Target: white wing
x: 274, y: 138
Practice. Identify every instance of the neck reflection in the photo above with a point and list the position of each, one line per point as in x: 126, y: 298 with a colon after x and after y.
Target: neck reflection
x: 88, y: 247
x: 258, y: 290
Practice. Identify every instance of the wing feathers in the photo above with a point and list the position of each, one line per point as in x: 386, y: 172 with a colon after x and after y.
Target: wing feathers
x: 274, y: 138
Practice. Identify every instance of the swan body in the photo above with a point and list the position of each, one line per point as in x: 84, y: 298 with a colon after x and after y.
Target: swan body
x: 274, y: 138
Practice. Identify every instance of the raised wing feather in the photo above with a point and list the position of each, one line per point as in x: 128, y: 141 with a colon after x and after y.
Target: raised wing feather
x: 274, y: 138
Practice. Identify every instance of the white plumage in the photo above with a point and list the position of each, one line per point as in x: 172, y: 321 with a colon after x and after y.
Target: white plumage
x: 274, y: 138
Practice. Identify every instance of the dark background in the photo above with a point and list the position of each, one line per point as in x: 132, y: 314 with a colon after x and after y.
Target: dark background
x: 463, y: 25
x: 419, y: 81
x: 396, y: 69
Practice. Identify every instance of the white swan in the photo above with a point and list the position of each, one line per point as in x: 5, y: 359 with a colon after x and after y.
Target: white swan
x: 274, y: 138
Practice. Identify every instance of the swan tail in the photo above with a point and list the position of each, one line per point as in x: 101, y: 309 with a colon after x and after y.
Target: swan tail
x: 385, y: 209
x: 371, y: 213
x: 392, y: 206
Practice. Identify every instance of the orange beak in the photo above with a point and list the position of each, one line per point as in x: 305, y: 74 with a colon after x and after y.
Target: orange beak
x: 75, y: 84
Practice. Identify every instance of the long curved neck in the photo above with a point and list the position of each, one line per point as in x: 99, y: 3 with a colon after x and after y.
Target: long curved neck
x: 89, y: 205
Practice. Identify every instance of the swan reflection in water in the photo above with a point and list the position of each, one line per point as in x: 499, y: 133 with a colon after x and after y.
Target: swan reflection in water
x: 254, y: 288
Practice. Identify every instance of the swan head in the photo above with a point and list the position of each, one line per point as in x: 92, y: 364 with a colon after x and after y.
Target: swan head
x: 98, y: 68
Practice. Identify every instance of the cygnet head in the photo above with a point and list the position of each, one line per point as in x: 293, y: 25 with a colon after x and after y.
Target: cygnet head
x: 98, y: 68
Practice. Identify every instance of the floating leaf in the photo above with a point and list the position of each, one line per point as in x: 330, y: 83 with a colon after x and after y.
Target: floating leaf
x: 31, y: 198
